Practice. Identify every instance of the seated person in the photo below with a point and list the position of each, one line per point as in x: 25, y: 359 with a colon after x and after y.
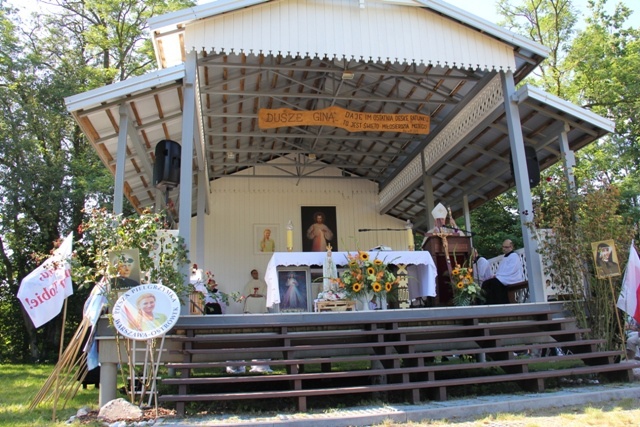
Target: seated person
x: 509, y: 272
x: 207, y: 286
x: 213, y: 303
x: 482, y: 268
x: 255, y: 294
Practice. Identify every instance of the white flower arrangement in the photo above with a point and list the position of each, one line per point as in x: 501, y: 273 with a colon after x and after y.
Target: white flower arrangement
x: 332, y: 295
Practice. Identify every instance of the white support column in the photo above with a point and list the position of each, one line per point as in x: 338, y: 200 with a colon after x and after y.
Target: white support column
x: 467, y: 215
x: 203, y: 188
x: 108, y: 383
x: 202, y: 177
x: 568, y: 158
x: 525, y: 204
x: 430, y: 201
x: 186, y: 161
x: 118, y: 193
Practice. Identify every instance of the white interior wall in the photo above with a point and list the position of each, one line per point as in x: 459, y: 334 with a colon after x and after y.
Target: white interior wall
x: 239, y: 204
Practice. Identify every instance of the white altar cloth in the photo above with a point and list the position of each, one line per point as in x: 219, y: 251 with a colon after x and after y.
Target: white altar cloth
x: 420, y: 266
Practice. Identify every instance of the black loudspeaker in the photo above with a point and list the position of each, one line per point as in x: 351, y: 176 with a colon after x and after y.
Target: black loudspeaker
x: 166, y: 170
x: 533, y: 168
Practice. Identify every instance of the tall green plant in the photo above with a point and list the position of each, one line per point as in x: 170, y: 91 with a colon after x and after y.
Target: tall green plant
x: 104, y: 232
x: 576, y: 220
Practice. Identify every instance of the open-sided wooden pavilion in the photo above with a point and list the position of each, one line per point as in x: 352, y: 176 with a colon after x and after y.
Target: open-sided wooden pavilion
x: 224, y: 65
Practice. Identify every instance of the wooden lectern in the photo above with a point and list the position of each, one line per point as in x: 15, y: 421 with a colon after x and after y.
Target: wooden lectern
x: 459, y: 252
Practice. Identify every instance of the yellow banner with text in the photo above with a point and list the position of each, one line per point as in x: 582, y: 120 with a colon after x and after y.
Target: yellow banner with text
x: 353, y: 121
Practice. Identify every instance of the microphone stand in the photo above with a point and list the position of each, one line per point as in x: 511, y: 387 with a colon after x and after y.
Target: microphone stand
x: 381, y: 229
x: 456, y: 229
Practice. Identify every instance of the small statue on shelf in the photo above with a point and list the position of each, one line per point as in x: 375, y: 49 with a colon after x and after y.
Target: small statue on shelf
x: 329, y: 270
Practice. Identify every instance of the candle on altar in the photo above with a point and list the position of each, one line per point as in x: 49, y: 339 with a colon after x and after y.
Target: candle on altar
x: 290, y: 236
x: 409, y: 228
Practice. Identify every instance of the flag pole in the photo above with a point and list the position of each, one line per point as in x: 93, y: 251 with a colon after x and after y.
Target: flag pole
x: 57, y: 392
x: 64, y: 322
x: 613, y: 296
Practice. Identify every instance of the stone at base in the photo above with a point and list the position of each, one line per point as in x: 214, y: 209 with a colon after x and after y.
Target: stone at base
x: 119, y: 409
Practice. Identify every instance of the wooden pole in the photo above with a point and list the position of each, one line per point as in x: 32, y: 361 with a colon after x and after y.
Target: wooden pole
x: 67, y: 369
x: 615, y: 307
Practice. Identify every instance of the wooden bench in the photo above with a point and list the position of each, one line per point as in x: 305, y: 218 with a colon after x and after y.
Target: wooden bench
x: 518, y: 292
x: 397, y: 350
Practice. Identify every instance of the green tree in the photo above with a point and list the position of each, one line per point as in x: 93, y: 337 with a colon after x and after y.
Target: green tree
x: 28, y: 224
x: 49, y: 171
x: 112, y: 35
x: 605, y: 59
x: 597, y: 69
x: 494, y: 222
x: 550, y: 23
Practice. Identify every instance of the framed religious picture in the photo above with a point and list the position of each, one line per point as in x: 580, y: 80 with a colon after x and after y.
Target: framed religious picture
x: 605, y: 259
x: 266, y: 239
x: 319, y: 228
x: 294, y: 284
x: 125, y: 268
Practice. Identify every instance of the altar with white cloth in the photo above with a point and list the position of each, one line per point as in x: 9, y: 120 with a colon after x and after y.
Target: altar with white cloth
x: 420, y: 267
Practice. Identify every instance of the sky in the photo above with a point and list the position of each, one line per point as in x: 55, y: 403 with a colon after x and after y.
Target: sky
x: 487, y: 8
x: 483, y: 8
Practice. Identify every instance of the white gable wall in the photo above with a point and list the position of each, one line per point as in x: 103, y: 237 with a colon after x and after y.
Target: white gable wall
x: 238, y: 204
x: 340, y: 28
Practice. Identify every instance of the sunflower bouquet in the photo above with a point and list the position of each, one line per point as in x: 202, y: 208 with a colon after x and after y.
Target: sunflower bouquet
x: 365, y: 276
x: 465, y: 289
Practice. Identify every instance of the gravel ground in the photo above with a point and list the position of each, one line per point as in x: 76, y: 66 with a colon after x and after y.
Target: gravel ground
x: 568, y: 407
x: 564, y: 407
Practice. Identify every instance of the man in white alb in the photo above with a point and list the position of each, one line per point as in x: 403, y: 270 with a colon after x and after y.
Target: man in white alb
x: 509, y: 272
x: 255, y: 294
x: 482, y: 268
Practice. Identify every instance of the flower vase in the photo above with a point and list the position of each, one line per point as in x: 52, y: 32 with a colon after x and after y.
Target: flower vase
x: 364, y: 299
x: 462, y: 300
x: 382, y: 299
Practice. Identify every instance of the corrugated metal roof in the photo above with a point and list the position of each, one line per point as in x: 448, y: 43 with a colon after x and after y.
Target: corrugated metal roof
x: 234, y: 85
x: 340, y: 29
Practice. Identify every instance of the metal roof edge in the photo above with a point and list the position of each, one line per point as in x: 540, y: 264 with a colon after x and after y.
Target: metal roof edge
x: 528, y: 91
x: 170, y: 20
x: 485, y: 26
x: 184, y: 16
x: 124, y: 88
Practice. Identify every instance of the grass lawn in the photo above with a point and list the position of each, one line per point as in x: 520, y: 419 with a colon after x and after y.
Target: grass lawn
x: 20, y: 383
